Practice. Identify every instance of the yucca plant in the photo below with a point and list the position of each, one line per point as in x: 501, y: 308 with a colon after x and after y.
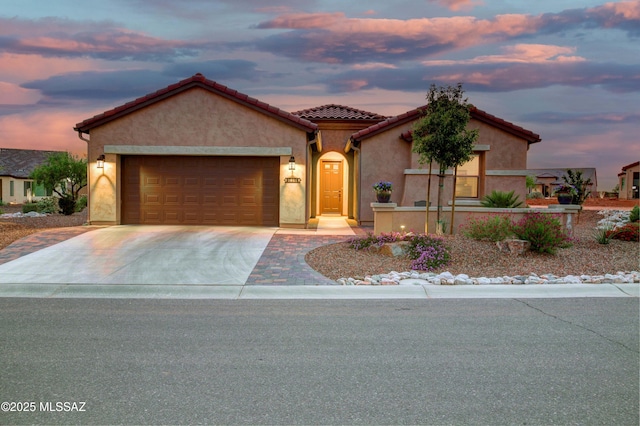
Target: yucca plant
x: 499, y: 199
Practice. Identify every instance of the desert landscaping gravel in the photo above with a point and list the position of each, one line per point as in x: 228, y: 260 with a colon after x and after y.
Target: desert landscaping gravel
x: 484, y: 259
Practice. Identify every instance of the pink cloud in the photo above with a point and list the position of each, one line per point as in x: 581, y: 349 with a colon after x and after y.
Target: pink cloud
x: 46, y: 130
x: 10, y: 94
x: 523, y: 53
x: 336, y: 38
x: 17, y: 67
x: 64, y: 37
x: 458, y: 4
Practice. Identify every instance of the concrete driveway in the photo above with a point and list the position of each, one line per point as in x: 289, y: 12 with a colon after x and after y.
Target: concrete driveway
x: 134, y: 255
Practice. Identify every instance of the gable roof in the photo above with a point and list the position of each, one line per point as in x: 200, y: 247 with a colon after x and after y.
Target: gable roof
x: 337, y: 112
x: 19, y: 163
x: 197, y: 80
x: 414, y: 114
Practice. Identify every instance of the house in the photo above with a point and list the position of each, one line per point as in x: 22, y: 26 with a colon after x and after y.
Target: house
x: 15, y: 167
x: 198, y: 152
x: 629, y: 181
x: 548, y: 180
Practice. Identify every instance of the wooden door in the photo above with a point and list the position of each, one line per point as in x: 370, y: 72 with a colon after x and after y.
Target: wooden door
x: 331, y: 187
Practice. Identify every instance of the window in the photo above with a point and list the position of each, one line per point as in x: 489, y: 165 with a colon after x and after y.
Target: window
x: 27, y: 187
x: 468, y: 178
x: 41, y: 192
x: 11, y: 190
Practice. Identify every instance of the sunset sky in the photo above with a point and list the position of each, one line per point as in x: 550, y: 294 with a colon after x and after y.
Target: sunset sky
x: 568, y: 70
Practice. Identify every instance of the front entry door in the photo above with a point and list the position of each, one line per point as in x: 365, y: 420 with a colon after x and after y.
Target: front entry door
x: 331, y: 187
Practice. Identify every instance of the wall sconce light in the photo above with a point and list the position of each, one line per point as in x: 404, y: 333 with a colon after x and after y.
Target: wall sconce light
x: 100, y: 162
x: 292, y: 167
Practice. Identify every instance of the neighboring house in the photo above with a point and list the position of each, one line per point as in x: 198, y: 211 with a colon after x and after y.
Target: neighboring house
x: 198, y: 152
x: 629, y: 181
x: 548, y: 180
x: 15, y: 167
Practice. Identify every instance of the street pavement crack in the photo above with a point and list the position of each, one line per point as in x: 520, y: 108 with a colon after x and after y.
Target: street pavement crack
x: 577, y: 325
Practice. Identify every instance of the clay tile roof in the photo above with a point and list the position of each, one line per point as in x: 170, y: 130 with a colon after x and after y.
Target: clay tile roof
x: 197, y: 80
x: 629, y: 166
x: 337, y: 112
x: 476, y: 113
x: 19, y: 163
x: 389, y: 123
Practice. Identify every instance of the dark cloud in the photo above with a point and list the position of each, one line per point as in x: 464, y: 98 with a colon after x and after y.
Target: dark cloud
x: 492, y: 77
x: 129, y: 84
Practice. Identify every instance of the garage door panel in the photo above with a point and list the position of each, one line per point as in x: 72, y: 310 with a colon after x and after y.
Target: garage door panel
x: 200, y: 190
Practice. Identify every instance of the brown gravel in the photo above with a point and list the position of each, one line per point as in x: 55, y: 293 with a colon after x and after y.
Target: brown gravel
x: 12, y: 229
x: 479, y: 258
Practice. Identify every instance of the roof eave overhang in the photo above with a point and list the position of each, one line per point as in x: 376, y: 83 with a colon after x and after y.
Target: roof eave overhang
x: 261, y: 107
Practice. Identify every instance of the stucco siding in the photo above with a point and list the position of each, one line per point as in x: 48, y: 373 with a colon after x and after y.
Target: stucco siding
x: 195, y: 118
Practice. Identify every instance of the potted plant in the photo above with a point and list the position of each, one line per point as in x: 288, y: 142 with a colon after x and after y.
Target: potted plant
x: 565, y: 193
x: 383, y: 191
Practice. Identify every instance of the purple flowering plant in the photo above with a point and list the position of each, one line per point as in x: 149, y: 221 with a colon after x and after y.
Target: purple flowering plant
x: 383, y: 186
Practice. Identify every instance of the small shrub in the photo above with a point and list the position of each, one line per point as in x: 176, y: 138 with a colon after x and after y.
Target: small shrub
x: 491, y: 228
x: 67, y: 205
x: 603, y: 235
x: 29, y: 207
x: 47, y: 205
x: 427, y: 253
x: 499, y: 199
x: 544, y: 231
x: 628, y: 232
x: 635, y: 214
x: 535, y: 195
x: 81, y: 203
x: 363, y: 242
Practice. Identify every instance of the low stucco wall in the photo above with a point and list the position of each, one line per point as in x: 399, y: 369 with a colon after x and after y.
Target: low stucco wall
x: 388, y: 217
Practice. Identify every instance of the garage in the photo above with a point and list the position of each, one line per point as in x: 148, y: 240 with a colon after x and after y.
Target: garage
x: 193, y: 190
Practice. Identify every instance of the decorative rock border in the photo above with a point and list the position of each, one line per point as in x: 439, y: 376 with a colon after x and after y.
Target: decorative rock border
x: 19, y: 214
x: 447, y: 278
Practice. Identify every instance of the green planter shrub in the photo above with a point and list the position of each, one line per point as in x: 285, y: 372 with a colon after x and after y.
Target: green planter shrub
x: 499, y: 199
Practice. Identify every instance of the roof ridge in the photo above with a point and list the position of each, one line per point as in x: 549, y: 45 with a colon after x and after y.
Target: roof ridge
x: 325, y: 112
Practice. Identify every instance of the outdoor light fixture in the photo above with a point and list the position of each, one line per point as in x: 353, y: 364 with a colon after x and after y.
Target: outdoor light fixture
x: 292, y: 167
x: 101, y: 162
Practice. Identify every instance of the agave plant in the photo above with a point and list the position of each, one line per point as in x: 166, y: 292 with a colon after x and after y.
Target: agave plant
x: 499, y: 199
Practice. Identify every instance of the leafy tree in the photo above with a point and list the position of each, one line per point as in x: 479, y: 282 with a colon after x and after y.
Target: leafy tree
x: 531, y: 182
x: 65, y: 175
x: 441, y: 135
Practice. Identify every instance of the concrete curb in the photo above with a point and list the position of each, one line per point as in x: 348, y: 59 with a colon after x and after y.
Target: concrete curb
x: 239, y: 292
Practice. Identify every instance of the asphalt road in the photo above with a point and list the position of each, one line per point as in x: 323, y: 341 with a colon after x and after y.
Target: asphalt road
x: 478, y: 361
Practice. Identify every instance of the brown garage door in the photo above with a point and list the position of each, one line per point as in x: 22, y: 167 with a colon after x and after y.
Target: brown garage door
x: 174, y: 190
